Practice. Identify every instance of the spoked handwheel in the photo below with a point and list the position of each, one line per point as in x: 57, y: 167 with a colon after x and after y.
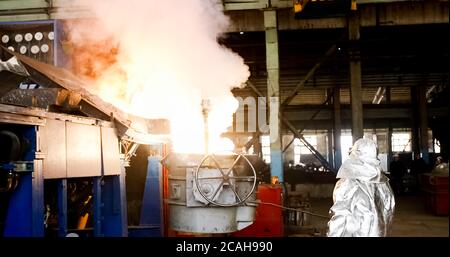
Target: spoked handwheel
x: 228, y: 179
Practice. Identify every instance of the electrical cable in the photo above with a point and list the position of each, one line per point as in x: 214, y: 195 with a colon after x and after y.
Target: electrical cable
x: 291, y: 209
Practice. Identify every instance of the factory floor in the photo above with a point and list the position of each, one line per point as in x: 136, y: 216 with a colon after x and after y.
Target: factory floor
x: 411, y: 219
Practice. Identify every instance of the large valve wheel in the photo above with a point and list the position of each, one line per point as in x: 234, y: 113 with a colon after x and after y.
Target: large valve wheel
x: 227, y: 179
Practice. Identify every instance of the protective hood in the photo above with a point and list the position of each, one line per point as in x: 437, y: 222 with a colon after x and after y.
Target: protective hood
x: 362, y: 163
x: 363, y: 202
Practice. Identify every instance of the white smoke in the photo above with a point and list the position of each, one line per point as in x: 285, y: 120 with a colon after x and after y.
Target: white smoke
x: 159, y: 59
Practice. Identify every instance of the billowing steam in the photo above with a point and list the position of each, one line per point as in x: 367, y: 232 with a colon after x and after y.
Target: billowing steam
x: 159, y: 59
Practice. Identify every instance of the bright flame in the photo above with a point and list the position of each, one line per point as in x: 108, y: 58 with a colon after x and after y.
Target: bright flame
x: 159, y: 59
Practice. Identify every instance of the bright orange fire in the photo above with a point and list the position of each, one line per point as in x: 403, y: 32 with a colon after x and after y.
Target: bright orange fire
x: 156, y: 60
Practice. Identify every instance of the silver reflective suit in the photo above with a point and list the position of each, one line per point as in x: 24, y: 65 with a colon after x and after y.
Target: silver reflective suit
x: 363, y: 199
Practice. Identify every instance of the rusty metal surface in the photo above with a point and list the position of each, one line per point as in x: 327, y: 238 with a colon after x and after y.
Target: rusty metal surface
x: 49, y: 76
x: 52, y: 140
x: 12, y: 65
x: 110, y: 152
x: 84, y: 153
x: 67, y: 80
x: 188, y: 210
x: 42, y: 97
x: 13, y: 118
x: 9, y: 81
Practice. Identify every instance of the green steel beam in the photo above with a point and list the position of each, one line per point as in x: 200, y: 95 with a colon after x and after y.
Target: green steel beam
x: 21, y: 5
x: 232, y: 5
x: 24, y: 17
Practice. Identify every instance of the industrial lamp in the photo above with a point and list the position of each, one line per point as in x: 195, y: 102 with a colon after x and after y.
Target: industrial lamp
x: 299, y: 5
x: 353, y: 5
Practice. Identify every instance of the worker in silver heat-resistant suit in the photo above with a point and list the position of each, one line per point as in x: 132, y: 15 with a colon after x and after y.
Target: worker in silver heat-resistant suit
x: 363, y: 199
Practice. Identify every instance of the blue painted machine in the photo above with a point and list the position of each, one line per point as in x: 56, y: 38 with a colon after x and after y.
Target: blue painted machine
x: 64, y: 154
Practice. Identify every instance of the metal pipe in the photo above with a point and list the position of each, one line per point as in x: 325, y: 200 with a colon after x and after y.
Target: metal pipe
x: 205, y: 111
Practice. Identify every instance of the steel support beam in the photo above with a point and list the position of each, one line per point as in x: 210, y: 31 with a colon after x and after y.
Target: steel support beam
x: 389, y: 146
x: 290, y: 143
x: 337, y: 128
x: 273, y: 92
x: 388, y: 95
x: 330, y: 147
x: 255, y: 142
x: 423, y: 119
x: 379, y: 95
x: 109, y: 209
x: 62, y: 208
x: 114, y: 203
x: 308, y: 76
x: 298, y: 134
x: 245, y: 14
x: 303, y: 113
x: 231, y: 5
x: 97, y: 206
x: 415, y: 138
x: 257, y: 147
x: 355, y: 77
x: 151, y: 210
x: 311, y: 148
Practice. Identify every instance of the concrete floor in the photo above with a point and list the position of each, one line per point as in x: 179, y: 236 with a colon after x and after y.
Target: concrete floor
x: 410, y: 220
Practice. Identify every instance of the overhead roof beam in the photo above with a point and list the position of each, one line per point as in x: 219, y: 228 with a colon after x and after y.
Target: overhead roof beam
x: 373, y: 13
x: 308, y: 76
x: 379, y: 95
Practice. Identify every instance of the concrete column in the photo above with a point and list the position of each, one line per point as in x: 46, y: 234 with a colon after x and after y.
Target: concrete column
x: 415, y: 142
x: 273, y: 92
x: 390, y: 157
x: 389, y: 146
x: 355, y: 77
x: 330, y: 152
x: 329, y: 135
x: 423, y: 119
x: 388, y: 95
x: 337, y: 128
